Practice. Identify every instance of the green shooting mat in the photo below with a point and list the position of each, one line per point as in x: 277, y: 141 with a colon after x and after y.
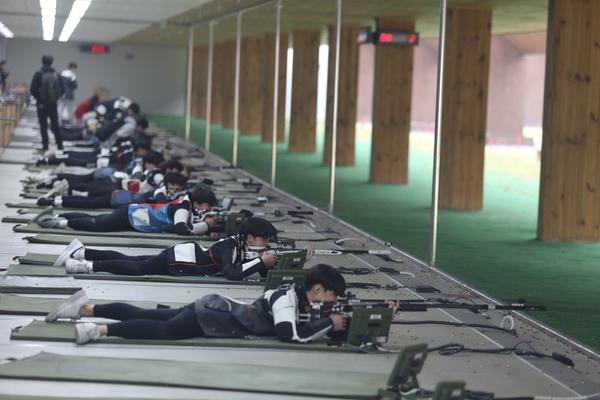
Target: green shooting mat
x: 38, y: 289
x: 19, y: 397
x: 36, y: 208
x: 25, y: 305
x: 64, y: 331
x: 109, y: 241
x: 198, y: 375
x: 35, y: 228
x: 17, y: 219
x: 50, y: 271
x: 37, y: 259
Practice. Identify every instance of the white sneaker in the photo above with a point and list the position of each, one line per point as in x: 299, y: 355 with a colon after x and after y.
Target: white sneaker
x: 50, y: 222
x: 61, y: 187
x: 73, y: 266
x: 68, y: 252
x: 70, y: 308
x: 86, y: 332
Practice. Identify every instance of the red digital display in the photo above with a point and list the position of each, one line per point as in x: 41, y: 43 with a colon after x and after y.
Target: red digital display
x: 94, y: 48
x: 98, y: 49
x: 386, y: 38
x: 396, y: 38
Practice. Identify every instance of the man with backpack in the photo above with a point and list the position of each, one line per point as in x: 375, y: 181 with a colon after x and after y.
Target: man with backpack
x: 47, y: 87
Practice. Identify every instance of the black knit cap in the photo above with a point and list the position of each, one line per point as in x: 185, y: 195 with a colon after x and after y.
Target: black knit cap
x: 258, y: 227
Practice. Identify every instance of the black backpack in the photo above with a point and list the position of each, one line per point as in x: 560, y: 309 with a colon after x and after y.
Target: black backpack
x: 50, y: 90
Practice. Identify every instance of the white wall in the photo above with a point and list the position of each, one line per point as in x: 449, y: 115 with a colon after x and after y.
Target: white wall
x: 152, y: 76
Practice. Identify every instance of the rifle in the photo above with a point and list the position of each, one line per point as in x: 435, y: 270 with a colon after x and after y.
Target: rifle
x: 370, y: 321
x: 350, y: 302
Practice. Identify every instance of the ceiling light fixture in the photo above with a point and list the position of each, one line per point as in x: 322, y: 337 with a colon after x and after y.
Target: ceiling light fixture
x: 77, y: 12
x: 4, y: 31
x: 48, y: 16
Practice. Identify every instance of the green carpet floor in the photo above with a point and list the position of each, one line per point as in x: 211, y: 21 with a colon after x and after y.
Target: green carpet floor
x: 493, y: 250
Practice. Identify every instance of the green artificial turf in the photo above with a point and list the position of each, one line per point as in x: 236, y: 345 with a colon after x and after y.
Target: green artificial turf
x: 494, y: 250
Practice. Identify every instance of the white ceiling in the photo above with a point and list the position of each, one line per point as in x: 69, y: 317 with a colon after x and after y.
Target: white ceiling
x: 105, y: 21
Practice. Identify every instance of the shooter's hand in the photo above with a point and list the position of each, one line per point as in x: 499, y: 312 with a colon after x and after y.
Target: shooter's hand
x: 309, y: 251
x: 269, y: 260
x: 340, y: 321
x: 211, y: 221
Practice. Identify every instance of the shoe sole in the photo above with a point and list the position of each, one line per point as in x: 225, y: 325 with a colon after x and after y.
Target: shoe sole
x: 53, y: 316
x: 66, y: 254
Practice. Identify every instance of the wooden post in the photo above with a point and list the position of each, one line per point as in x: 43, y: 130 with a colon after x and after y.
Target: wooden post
x: 269, y: 66
x: 569, y: 206
x: 348, y: 85
x: 228, y: 83
x: 303, y: 123
x: 392, y: 88
x: 217, y: 82
x: 251, y: 86
x: 466, y: 68
x: 199, y: 82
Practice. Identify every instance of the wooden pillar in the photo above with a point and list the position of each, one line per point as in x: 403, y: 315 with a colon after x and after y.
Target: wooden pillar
x: 569, y: 206
x: 303, y: 123
x: 392, y: 88
x: 199, y: 82
x: 466, y: 68
x: 217, y: 83
x: 348, y: 85
x: 269, y: 67
x: 251, y: 86
x: 228, y: 84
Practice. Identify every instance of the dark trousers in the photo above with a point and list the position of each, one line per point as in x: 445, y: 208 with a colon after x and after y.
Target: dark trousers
x: 94, y: 188
x: 45, y: 111
x: 122, y: 264
x: 139, y: 323
x: 116, y: 221
x: 102, y: 201
x: 75, y: 159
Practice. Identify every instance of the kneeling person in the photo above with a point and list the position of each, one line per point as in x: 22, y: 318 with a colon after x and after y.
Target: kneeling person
x: 279, y: 312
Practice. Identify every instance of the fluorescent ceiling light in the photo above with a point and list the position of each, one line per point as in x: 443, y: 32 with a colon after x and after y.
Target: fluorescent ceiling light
x: 48, y: 16
x: 77, y: 12
x: 4, y: 31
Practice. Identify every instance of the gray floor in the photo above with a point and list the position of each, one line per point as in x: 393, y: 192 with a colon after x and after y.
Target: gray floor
x: 505, y: 375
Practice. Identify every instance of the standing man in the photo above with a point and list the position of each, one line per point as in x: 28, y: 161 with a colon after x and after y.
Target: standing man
x: 65, y: 104
x: 47, y: 87
x: 3, y: 76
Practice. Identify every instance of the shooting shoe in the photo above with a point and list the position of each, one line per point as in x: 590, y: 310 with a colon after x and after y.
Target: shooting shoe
x: 68, y: 252
x: 86, y: 332
x: 50, y: 221
x: 73, y: 266
x: 70, y: 308
x: 61, y: 187
x: 45, y: 201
